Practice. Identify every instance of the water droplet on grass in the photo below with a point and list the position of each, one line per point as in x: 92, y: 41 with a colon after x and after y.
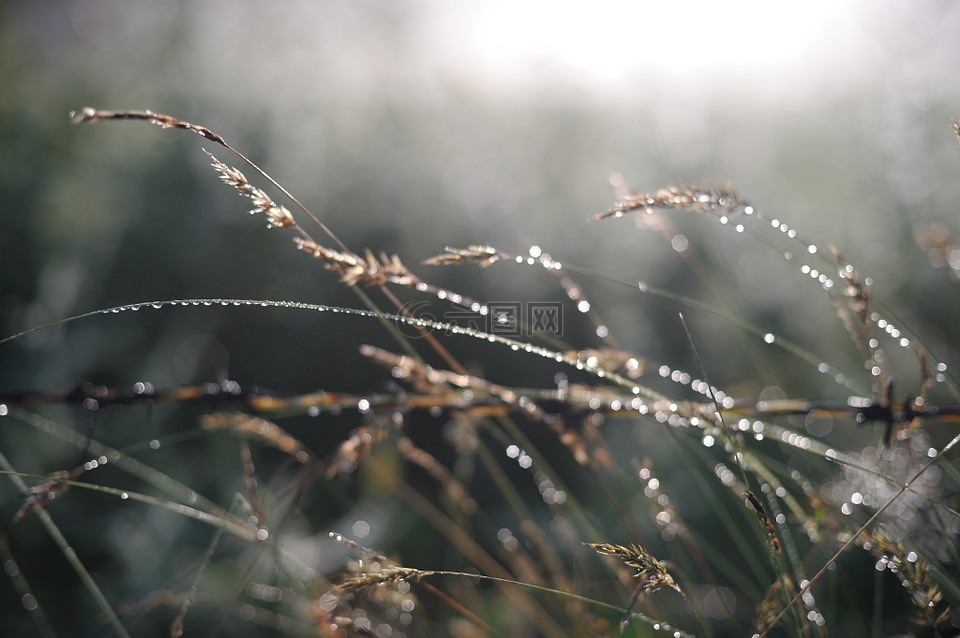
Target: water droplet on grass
x: 29, y: 602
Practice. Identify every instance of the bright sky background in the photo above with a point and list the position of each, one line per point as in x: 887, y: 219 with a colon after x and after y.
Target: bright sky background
x: 610, y: 42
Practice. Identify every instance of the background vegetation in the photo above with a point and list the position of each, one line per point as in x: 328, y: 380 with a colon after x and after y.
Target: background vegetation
x: 401, y: 137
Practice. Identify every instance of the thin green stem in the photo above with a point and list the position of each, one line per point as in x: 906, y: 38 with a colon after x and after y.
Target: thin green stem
x: 68, y: 552
x: 855, y: 535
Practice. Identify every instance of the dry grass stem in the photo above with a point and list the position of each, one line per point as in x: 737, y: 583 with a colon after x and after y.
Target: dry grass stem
x: 353, y: 269
x: 474, y: 254
x: 913, y: 572
x: 856, y: 290
x: 347, y: 457
x: 765, y: 521
x: 91, y: 115
x: 456, y: 492
x: 653, y: 575
x: 48, y: 491
x: 257, y: 428
x: 373, y: 577
x: 719, y: 200
x: 782, y: 589
x: 277, y: 216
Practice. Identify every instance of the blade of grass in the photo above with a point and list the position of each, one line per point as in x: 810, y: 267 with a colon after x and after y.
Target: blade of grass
x: 57, y: 536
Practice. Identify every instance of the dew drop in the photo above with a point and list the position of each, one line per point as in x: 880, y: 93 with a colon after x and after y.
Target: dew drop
x: 29, y: 602
x: 361, y: 529
x: 328, y: 602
